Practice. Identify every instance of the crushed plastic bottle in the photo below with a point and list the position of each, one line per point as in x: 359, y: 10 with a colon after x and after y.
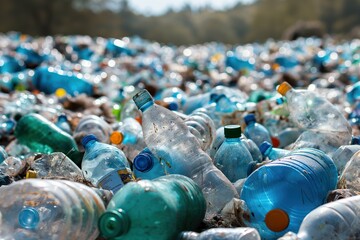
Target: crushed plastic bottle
x: 223, y: 234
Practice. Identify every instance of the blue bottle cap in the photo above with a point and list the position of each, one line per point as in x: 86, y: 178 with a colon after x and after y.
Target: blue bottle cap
x: 249, y: 118
x: 214, y: 97
x: 142, y: 97
x: 143, y: 162
x: 264, y: 147
x: 173, y: 106
x: 355, y: 140
x: 62, y: 117
x: 87, y: 139
x: 29, y: 218
x: 232, y: 131
x: 10, y: 125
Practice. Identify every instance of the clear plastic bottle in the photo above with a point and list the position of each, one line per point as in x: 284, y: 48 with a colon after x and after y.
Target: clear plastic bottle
x: 147, y: 166
x: 13, y: 166
x: 343, y: 155
x: 267, y: 150
x: 233, y: 157
x: 177, y: 204
x: 281, y: 193
x: 219, y: 139
x: 170, y: 140
x: 335, y: 220
x: 350, y: 176
x: 255, y: 131
x: 49, y: 209
x: 240, y: 233
x: 104, y: 165
x: 326, y: 127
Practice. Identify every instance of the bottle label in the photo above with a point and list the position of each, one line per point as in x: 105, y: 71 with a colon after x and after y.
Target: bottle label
x: 116, y: 179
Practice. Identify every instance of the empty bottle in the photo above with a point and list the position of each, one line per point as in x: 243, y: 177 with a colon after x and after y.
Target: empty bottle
x: 41, y: 135
x: 13, y: 166
x: 255, y: 131
x: 240, y: 233
x: 335, y: 220
x: 281, y: 193
x: 326, y: 127
x: 170, y: 140
x: 268, y: 151
x: 233, y: 157
x: 350, y: 176
x: 147, y: 166
x: 219, y: 139
x: 49, y: 209
x: 104, y: 165
x: 253, y: 148
x: 64, y: 124
x: 48, y: 80
x: 343, y: 155
x: 288, y: 136
x: 177, y: 204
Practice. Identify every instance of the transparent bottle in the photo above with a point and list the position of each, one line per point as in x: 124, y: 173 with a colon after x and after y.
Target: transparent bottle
x: 233, y: 157
x: 326, y: 127
x: 343, y: 155
x: 240, y: 233
x: 177, y: 204
x: 281, y: 193
x: 255, y: 131
x: 49, y: 209
x: 170, y: 140
x: 350, y: 176
x: 104, y: 165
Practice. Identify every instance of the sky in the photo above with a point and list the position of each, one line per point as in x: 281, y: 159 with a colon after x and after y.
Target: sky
x: 158, y: 7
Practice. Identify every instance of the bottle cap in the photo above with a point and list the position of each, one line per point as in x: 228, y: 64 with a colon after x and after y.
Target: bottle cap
x: 31, y: 174
x: 283, y: 88
x: 277, y: 220
x: 142, y: 97
x: 232, y: 131
x: 10, y: 125
x: 143, y: 162
x: 355, y: 140
x: 264, y: 147
x: 29, y: 218
x: 60, y: 92
x: 87, y: 139
x: 249, y: 118
x: 113, y: 223
x: 62, y: 117
x: 173, y: 106
x: 116, y: 137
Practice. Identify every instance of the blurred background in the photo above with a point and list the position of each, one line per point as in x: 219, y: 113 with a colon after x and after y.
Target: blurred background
x: 182, y: 21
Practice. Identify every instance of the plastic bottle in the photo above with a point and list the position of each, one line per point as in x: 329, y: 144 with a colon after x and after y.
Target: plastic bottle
x: 63, y: 124
x: 253, y: 148
x: 233, y: 157
x: 3, y: 154
x: 56, y: 166
x: 170, y: 140
x: 41, y: 135
x: 92, y: 124
x: 326, y: 127
x: 343, y: 155
x: 281, y: 193
x: 104, y: 165
x: 335, y: 220
x: 48, y: 80
x: 350, y: 176
x: 240, y: 233
x: 288, y: 136
x: 13, y: 166
x: 177, y: 204
x: 267, y: 150
x: 7, y: 126
x: 255, y: 131
x: 49, y: 209
x: 147, y: 166
x: 219, y: 139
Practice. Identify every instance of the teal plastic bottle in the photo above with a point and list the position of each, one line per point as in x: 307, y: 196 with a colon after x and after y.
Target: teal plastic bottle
x: 154, y: 210
x: 281, y: 193
x: 41, y: 135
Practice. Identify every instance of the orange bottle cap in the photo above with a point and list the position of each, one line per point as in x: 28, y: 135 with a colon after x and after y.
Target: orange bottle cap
x: 60, y: 92
x: 31, y: 174
x: 139, y: 119
x: 277, y: 220
x: 116, y: 137
x: 283, y: 88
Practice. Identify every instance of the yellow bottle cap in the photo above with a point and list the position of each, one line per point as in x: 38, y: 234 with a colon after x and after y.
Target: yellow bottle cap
x: 283, y: 88
x: 277, y: 220
x: 60, y: 92
x: 31, y: 174
x: 116, y: 137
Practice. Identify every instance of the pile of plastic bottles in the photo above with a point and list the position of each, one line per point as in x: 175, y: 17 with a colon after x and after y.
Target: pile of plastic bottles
x: 130, y: 139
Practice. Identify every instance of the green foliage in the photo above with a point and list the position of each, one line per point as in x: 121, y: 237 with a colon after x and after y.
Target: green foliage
x: 244, y: 23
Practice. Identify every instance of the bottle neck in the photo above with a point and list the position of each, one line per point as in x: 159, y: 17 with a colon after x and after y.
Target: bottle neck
x: 232, y: 139
x: 251, y: 123
x: 114, y: 223
x: 147, y: 105
x: 90, y: 144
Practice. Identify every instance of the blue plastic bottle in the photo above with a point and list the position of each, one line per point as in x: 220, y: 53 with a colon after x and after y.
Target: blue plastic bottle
x: 63, y: 124
x: 104, y: 165
x: 48, y: 80
x: 233, y: 157
x: 147, y: 166
x: 281, y: 193
x: 255, y: 131
x: 267, y: 150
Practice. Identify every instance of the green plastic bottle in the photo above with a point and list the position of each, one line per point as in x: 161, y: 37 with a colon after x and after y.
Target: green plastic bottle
x: 158, y: 209
x: 43, y: 136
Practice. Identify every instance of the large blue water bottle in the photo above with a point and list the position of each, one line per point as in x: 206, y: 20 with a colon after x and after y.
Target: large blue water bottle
x: 255, y: 131
x: 281, y: 193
